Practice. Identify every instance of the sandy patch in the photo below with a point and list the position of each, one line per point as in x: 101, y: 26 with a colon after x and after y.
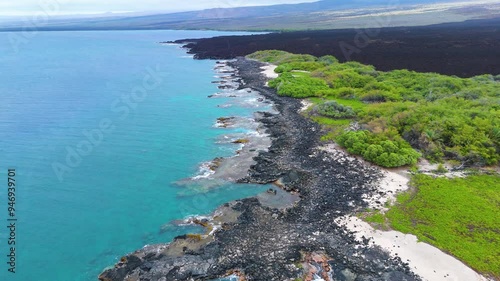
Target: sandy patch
x: 268, y: 71
x: 430, y: 169
x: 393, y: 182
x: 305, y: 105
x: 425, y: 260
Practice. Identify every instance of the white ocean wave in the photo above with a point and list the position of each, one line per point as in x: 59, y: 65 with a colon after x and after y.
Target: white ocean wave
x: 204, y: 171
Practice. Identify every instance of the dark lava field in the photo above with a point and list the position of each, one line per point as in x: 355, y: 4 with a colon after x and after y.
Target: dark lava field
x: 463, y: 49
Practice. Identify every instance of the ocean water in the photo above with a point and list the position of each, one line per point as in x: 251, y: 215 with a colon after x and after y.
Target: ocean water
x: 101, y: 129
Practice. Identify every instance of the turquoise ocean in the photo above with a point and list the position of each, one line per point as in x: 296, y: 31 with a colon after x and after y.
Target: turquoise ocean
x: 100, y: 128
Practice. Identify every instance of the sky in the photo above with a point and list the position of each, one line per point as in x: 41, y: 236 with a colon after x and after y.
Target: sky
x: 65, y: 7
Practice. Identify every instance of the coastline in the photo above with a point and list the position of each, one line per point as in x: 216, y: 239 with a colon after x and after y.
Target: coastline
x: 262, y: 242
x: 316, y: 235
x: 426, y: 260
x: 249, y: 141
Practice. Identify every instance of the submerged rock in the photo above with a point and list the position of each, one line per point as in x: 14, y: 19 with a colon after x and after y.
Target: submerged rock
x: 240, y: 141
x: 215, y: 164
x: 225, y: 122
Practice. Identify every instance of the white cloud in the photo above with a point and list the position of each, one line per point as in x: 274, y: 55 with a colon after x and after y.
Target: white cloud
x: 20, y: 7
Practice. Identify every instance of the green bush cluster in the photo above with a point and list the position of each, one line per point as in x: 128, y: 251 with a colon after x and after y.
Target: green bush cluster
x: 452, y: 128
x: 444, y: 117
x: 279, y: 57
x: 335, y: 110
x: 298, y: 66
x: 297, y: 86
x: 377, y: 149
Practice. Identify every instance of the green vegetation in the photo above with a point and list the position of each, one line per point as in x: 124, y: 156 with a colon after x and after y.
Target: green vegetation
x: 280, y: 57
x: 376, y: 217
x: 330, y: 122
x: 335, y: 110
x: 399, y: 113
x: 443, y: 117
x: 441, y: 169
x: 378, y: 149
x: 298, y: 86
x: 458, y: 215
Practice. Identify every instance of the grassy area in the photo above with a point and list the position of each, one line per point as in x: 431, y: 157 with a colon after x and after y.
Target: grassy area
x: 459, y: 215
x: 354, y: 104
x: 376, y: 217
x: 330, y: 121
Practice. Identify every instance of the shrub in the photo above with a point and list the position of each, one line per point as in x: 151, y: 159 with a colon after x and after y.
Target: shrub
x: 445, y: 117
x: 328, y: 60
x: 299, y: 87
x: 304, y: 66
x: 279, y: 57
x: 348, y: 78
x: 378, y: 149
x: 334, y: 110
x: 345, y: 92
x: 379, y: 96
x: 441, y: 169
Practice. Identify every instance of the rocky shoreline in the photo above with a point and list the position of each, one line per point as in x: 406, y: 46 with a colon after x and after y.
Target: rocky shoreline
x: 257, y: 241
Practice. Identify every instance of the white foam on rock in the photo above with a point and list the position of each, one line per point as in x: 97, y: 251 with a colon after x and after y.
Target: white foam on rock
x: 204, y: 171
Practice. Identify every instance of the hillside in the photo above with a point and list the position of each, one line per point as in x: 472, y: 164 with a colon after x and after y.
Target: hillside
x: 326, y: 14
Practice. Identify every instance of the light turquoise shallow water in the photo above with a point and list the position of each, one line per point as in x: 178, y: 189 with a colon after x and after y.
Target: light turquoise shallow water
x: 116, y: 196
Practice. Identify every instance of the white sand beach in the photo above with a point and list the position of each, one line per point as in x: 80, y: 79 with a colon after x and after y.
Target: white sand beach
x: 268, y: 70
x: 427, y: 261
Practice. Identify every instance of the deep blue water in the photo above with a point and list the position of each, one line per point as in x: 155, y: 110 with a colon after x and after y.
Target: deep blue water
x: 79, y: 214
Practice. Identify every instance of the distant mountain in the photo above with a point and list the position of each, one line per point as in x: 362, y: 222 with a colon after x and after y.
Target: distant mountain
x: 326, y: 14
